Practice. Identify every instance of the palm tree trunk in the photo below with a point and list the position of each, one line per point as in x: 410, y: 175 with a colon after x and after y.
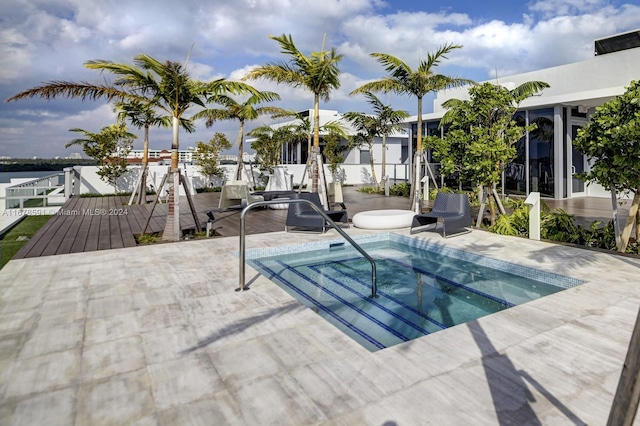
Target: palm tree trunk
x: 416, y: 204
x: 239, y: 142
x: 373, y: 170
x: 384, y: 156
x: 416, y: 200
x: 175, y: 143
x: 316, y: 122
x: 316, y: 144
x: 142, y: 190
x: 419, y: 134
x: 172, y: 229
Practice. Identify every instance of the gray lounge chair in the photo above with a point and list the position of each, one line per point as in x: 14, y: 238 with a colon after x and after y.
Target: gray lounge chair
x: 450, y: 210
x: 301, y: 217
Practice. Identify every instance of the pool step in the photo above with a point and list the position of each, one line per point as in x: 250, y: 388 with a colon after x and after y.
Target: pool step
x: 346, y: 303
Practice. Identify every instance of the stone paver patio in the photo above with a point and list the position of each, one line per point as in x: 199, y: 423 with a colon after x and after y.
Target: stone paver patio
x: 157, y: 335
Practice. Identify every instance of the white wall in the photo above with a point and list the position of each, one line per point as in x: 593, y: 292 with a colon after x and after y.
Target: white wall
x: 394, y: 152
x: 591, y: 82
x: 351, y: 174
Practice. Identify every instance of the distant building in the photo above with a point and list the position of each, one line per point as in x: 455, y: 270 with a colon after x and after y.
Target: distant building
x: 162, y: 157
x: 547, y: 161
x: 296, y: 153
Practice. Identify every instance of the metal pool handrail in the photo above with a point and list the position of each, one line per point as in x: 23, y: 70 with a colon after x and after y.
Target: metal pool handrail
x: 374, y: 287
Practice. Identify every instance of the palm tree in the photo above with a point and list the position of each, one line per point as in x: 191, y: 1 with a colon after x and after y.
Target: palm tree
x: 388, y: 122
x: 404, y: 80
x: 385, y: 121
x: 170, y: 87
x: 366, y: 126
x: 166, y: 85
x: 317, y: 72
x: 141, y: 115
x: 241, y: 111
x: 303, y: 130
x: 172, y: 90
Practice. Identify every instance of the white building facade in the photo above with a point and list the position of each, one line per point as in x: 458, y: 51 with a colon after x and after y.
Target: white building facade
x: 397, y: 149
x: 547, y: 161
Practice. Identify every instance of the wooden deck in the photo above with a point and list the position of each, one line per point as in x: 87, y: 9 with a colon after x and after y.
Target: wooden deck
x: 103, y: 223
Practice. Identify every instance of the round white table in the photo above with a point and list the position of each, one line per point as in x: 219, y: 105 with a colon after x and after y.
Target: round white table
x: 383, y: 219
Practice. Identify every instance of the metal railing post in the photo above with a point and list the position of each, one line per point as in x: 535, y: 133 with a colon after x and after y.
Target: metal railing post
x: 242, y: 287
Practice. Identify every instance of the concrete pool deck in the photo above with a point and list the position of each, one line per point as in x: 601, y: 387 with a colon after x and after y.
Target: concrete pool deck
x: 157, y: 335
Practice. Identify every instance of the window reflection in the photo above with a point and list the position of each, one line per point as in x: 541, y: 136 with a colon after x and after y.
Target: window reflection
x: 541, y: 152
x: 515, y: 172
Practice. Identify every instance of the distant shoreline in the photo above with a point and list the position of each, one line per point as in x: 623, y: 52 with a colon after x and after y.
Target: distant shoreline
x: 41, y: 164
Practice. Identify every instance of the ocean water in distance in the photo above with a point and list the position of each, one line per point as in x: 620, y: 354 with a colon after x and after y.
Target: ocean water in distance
x: 5, y: 177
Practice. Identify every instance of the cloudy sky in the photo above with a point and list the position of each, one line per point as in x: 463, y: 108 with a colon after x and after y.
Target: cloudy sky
x: 45, y: 40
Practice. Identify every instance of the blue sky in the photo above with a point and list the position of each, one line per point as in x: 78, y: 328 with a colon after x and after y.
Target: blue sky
x: 44, y: 40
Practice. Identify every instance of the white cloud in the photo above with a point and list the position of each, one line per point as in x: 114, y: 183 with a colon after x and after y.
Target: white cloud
x: 552, y: 8
x: 43, y: 40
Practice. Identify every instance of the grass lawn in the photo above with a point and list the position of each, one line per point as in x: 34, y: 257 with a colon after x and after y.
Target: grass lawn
x: 9, y: 245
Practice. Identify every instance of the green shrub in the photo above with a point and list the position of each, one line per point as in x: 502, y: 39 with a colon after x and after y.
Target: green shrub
x: 603, y: 236
x: 559, y: 226
x: 402, y: 189
x: 148, y: 239
x: 118, y: 194
x: 209, y: 189
x: 516, y: 223
x: 444, y: 189
x: 370, y: 190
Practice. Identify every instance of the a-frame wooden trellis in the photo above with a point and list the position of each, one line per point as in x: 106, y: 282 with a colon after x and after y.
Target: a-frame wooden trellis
x: 177, y: 180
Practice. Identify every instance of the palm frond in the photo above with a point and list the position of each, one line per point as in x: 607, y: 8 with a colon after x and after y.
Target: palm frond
x: 211, y: 115
x: 433, y: 59
x: 392, y: 64
x: 335, y: 126
x: 528, y: 89
x: 385, y: 85
x: 67, y: 89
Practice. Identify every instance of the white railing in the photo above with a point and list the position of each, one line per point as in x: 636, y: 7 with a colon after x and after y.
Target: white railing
x: 42, y: 192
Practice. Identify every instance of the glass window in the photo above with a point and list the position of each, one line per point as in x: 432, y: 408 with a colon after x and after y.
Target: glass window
x: 541, y: 152
x: 432, y: 128
x: 365, y: 156
x: 516, y: 172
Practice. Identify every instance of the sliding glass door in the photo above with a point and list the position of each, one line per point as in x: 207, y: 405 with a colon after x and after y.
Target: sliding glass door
x: 541, y: 153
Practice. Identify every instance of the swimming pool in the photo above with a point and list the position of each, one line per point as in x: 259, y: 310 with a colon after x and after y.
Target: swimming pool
x: 423, y: 287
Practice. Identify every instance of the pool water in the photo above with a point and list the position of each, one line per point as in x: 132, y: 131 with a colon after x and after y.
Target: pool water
x: 423, y: 287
